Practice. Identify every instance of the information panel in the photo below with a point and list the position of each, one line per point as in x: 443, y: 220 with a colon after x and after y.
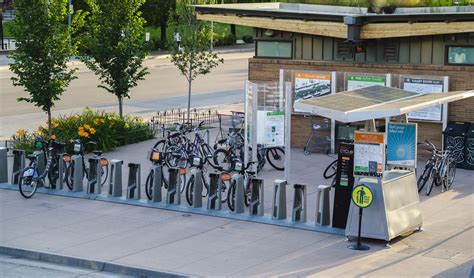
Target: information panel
x: 401, y: 144
x: 425, y: 86
x: 361, y: 81
x: 310, y: 85
x: 369, y: 152
x: 271, y: 128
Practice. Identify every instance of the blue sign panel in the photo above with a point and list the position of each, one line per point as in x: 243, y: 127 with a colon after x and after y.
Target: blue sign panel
x: 401, y: 144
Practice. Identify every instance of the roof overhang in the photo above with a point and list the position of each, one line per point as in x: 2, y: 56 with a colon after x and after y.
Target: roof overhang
x: 382, y: 110
x: 336, y: 21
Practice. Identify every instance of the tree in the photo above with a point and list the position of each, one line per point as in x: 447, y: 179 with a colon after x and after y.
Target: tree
x: 157, y: 13
x: 40, y: 60
x: 190, y: 47
x: 114, y: 45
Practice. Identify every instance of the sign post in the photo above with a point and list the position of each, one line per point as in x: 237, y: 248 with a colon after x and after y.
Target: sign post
x: 362, y: 197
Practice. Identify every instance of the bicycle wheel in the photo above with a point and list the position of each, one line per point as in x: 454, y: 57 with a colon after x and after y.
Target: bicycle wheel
x: 28, y: 182
x: 451, y: 174
x: 431, y: 181
x: 276, y: 158
x: 330, y: 171
x: 231, y: 195
x: 160, y: 145
x: 223, y: 158
x: 206, y: 150
x: 190, y: 190
x: 53, y: 174
x: 149, y: 185
x: 424, y: 176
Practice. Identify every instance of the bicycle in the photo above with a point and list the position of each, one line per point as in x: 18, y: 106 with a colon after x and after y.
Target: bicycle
x: 157, y: 158
x: 79, y: 149
x: 248, y: 176
x: 224, y: 177
x: 440, y: 170
x: 30, y: 178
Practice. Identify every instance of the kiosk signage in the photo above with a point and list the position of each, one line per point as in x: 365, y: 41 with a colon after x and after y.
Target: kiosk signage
x: 369, y: 153
x: 362, y: 197
x: 344, y: 184
x: 401, y: 145
x: 425, y: 86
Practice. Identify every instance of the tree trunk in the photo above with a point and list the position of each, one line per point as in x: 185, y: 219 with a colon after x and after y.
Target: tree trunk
x: 50, y: 130
x: 190, y: 80
x: 120, y: 100
x: 163, y: 34
x: 233, y: 31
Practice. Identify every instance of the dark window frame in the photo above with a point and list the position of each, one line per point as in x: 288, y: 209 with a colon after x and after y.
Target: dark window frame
x: 446, y: 54
x: 292, y: 41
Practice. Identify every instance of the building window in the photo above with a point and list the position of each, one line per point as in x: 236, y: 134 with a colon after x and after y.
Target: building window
x: 274, y: 49
x: 390, y: 51
x: 460, y: 55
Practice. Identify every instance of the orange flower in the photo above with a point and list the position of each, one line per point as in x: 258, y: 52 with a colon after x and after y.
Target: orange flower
x: 21, y: 132
x: 53, y: 136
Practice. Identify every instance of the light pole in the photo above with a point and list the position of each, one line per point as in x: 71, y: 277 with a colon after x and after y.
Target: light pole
x: 70, y: 10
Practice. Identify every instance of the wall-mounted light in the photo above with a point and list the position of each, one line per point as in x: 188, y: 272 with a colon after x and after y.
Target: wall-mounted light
x: 269, y: 33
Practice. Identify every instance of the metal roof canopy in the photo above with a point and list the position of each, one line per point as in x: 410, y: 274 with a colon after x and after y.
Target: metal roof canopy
x: 375, y: 102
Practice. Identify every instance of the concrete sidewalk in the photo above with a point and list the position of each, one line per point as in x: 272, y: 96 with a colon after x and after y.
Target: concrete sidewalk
x: 210, y: 246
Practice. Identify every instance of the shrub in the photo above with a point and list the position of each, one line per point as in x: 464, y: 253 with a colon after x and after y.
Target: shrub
x: 107, y: 129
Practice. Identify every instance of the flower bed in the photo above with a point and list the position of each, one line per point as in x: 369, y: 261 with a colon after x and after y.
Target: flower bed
x: 107, y: 129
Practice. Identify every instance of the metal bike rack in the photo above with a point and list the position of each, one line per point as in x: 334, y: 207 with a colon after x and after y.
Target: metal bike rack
x: 95, y: 176
x: 256, y: 199
x: 173, y: 195
x: 323, y: 206
x: 214, y: 198
x: 239, y: 202
x: 77, y: 185
x: 299, y: 204
x: 40, y: 161
x: 279, y: 199
x: 18, y: 165
x: 61, y: 171
x: 157, y: 183
x: 197, y: 188
x: 115, y: 182
x: 3, y: 165
x: 133, y: 185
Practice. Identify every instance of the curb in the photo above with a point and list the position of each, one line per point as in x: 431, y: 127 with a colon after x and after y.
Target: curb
x: 86, y: 263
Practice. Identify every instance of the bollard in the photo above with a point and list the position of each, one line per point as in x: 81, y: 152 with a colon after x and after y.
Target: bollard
x: 18, y: 165
x: 299, y: 204
x: 239, y: 202
x: 173, y: 194
x: 115, y: 182
x: 133, y: 186
x: 78, y: 173
x: 279, y: 199
x: 256, y: 199
x: 157, y: 183
x: 323, y: 205
x: 95, y: 176
x: 197, y: 188
x: 3, y: 165
x: 214, y: 198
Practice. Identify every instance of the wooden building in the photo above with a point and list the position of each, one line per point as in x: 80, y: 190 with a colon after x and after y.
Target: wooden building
x: 410, y: 42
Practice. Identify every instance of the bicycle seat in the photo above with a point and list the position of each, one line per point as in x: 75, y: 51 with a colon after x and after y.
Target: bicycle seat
x: 97, y: 152
x: 58, y: 145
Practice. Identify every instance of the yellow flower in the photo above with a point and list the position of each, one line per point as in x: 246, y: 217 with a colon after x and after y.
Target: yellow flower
x: 102, y: 120
x: 80, y: 129
x: 55, y: 124
x: 71, y: 141
x: 96, y: 121
x: 53, y: 136
x: 20, y: 132
x: 92, y: 130
x: 126, y: 125
x: 87, y: 126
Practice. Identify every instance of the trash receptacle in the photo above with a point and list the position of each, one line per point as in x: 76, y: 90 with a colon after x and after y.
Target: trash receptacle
x: 469, y: 149
x: 454, y: 139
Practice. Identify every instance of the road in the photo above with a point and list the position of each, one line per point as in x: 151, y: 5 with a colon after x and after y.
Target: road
x: 18, y: 267
x: 164, y: 88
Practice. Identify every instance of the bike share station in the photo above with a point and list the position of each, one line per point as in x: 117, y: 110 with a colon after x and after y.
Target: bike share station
x: 380, y: 167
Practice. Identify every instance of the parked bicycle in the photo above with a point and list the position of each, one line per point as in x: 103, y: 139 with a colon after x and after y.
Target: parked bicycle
x: 440, y: 170
x: 30, y: 177
x: 224, y: 177
x: 79, y: 149
x: 247, y: 176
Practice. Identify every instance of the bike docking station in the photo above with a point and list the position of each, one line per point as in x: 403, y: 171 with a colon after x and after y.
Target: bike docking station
x: 3, y: 165
x: 115, y: 182
x: 214, y: 196
x: 239, y: 201
x: 279, y: 200
x: 134, y: 181
x: 95, y: 176
x: 78, y: 181
x: 299, y: 204
x: 18, y: 165
x: 173, y: 196
x: 256, y: 197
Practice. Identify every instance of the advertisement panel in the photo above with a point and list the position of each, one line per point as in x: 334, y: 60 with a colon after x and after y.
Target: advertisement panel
x: 425, y: 86
x: 401, y: 144
x: 310, y: 85
x: 355, y: 81
x: 369, y: 153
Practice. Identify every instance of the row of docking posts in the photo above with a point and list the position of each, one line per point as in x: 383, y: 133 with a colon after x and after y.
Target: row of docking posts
x: 173, y: 196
